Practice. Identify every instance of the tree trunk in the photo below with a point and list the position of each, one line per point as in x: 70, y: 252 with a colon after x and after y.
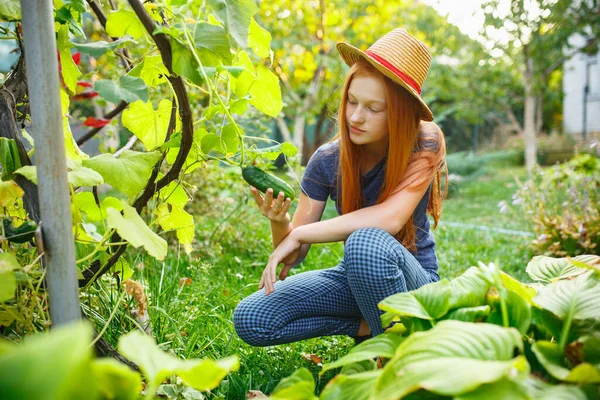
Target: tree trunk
x: 539, y: 114
x: 529, y: 127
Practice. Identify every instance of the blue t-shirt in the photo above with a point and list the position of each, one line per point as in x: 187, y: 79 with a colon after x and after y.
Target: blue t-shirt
x: 319, y: 182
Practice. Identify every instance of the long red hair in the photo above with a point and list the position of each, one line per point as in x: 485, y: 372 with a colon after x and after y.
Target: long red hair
x: 416, y: 154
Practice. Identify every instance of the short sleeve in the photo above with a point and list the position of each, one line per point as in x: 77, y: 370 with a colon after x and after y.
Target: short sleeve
x: 315, y: 183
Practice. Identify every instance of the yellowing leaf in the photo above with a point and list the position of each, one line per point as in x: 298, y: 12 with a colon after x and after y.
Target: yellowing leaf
x: 124, y: 22
x: 259, y: 40
x: 131, y: 227
x: 9, y: 192
x: 266, y: 93
x: 149, y: 125
x: 178, y: 220
x: 8, y: 282
x: 70, y: 72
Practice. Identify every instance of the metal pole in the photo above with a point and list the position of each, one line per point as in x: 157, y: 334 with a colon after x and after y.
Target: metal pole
x: 47, y: 130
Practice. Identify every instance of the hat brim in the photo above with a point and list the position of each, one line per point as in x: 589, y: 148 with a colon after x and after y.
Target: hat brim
x: 351, y: 54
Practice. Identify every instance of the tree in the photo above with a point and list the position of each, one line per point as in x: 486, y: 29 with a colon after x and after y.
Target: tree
x: 538, y: 42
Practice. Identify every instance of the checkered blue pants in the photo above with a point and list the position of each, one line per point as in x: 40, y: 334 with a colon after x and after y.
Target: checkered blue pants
x: 331, y: 301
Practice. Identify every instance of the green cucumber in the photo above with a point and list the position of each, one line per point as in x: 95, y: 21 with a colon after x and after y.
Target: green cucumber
x: 263, y: 180
x: 20, y: 234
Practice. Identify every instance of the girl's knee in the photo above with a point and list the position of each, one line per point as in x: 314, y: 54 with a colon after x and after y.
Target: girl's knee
x: 367, y: 247
x: 252, y: 321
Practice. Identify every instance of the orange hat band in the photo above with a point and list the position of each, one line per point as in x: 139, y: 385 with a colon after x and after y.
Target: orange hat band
x: 409, y: 81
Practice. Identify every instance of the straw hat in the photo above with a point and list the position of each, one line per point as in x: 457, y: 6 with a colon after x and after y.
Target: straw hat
x: 398, y: 56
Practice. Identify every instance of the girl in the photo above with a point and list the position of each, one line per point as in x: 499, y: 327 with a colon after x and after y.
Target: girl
x: 383, y: 170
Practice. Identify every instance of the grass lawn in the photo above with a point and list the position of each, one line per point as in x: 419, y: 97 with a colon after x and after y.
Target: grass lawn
x: 195, y: 320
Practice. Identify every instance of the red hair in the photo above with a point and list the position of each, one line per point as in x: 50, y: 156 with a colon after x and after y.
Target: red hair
x: 416, y: 154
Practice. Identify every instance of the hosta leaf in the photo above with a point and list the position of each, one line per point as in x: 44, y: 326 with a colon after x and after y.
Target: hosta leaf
x: 157, y: 365
x: 552, y: 358
x: 430, y: 301
x: 149, y: 125
x: 96, y: 49
x: 500, y: 390
x: 356, y: 386
x: 587, y: 261
x: 468, y: 289
x: 116, y: 380
x: 523, y: 290
x: 469, y: 314
x: 129, y: 173
x: 572, y: 299
x: 259, y: 40
x: 473, y: 354
x: 265, y: 92
x: 518, y: 311
x: 235, y: 15
x: 8, y: 282
x: 54, y: 365
x: 213, y: 38
x: 124, y: 22
x: 131, y: 227
x: 382, y: 345
x: 129, y: 89
x: 300, y: 385
x: 549, y: 269
x: 9, y: 192
x: 561, y: 392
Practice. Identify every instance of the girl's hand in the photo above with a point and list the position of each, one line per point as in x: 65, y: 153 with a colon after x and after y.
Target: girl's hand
x: 276, y: 210
x: 288, y: 245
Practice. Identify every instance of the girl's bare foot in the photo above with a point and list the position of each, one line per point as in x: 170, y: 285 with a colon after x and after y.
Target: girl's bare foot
x: 364, y: 329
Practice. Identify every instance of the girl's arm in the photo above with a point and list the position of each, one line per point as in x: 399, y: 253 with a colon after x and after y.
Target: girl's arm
x: 390, y: 215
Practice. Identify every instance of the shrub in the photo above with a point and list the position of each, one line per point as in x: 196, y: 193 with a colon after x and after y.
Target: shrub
x: 563, y: 203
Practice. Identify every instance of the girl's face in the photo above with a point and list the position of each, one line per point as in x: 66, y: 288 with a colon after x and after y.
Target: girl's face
x: 366, y: 112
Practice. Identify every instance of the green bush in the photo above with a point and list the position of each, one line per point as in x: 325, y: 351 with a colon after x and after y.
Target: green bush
x: 563, y: 203
x: 483, y: 335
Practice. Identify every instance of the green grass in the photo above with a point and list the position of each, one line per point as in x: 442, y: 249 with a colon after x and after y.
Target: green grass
x: 233, y: 244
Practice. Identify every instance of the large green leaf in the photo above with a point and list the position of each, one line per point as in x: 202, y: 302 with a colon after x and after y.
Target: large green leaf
x: 468, y: 289
x: 213, y: 38
x: 50, y: 366
x: 549, y: 269
x: 355, y: 386
x: 149, y: 125
x: 157, y: 365
x: 572, y: 299
x: 500, y: 390
x: 469, y: 314
x: 86, y: 203
x: 259, y: 40
x: 525, y: 291
x: 265, y: 92
x: 430, y: 301
x: 552, y: 358
x: 541, y: 390
x: 129, y: 173
x: 116, y: 380
x: 124, y: 22
x: 98, y: 48
x: 131, y: 227
x: 382, y: 345
x: 241, y: 84
x: 129, y: 89
x: 299, y: 386
x: 8, y: 281
x: 472, y: 354
x: 235, y: 15
x: 518, y: 312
